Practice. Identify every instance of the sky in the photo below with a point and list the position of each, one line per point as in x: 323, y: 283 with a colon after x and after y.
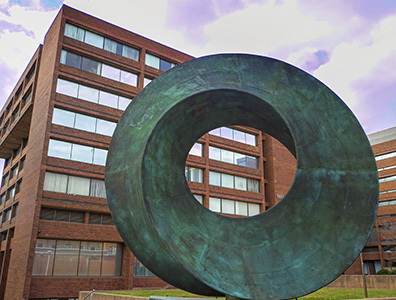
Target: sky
x: 349, y: 45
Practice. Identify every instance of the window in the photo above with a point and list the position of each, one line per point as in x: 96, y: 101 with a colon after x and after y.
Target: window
x: 95, y: 67
x: 233, y: 207
x: 74, y: 185
x: 146, y: 81
x: 92, y: 95
x: 140, y: 270
x: 6, y: 178
x: 387, y: 179
x: 385, y: 156
x: 388, y: 191
x: 386, y: 203
x: 52, y: 214
x: 76, y: 258
x: 101, y: 42
x: 234, y: 182
x: 77, y: 152
x: 14, y: 171
x: 11, y: 192
x: 196, y: 150
x: 194, y: 174
x: 2, y: 199
x: 158, y: 63
x: 7, y: 214
x: 101, y: 219
x: 235, y: 135
x: 199, y: 198
x: 232, y: 157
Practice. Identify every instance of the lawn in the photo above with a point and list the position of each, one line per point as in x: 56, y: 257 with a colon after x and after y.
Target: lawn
x: 323, y: 294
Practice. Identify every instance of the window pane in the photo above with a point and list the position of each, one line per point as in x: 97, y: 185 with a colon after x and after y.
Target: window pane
x: 240, y: 183
x: 66, y: 258
x: 70, y: 31
x: 82, y: 153
x: 98, y: 188
x: 107, y: 220
x: 44, y: 257
x: 88, y: 94
x: 196, y: 150
x: 227, y: 181
x: 253, y: 185
x: 59, y: 149
x: 73, y: 60
x: 250, y: 139
x: 165, y: 65
x: 227, y: 156
x: 105, y: 127
x: 152, y: 61
x: 129, y: 78
x: 78, y: 186
x: 94, y: 39
x: 146, y: 81
x: 67, y: 88
x: 62, y: 215
x: 90, y: 258
x: 95, y: 218
x: 110, y: 45
x: 123, y: 103
x: 215, y: 132
x: 130, y: 52
x: 214, y: 153
x: 214, y: 178
x: 199, y: 198
x: 228, y: 206
x: 100, y: 156
x: 108, y: 99
x: 63, y: 117
x: 77, y: 216
x: 251, y: 162
x: 110, y: 72
x: 55, y: 182
x: 196, y: 175
x: 90, y: 66
x: 240, y: 159
x: 214, y: 204
x: 241, y: 208
x: 239, y: 136
x: 254, y: 209
x: 226, y: 133
x: 85, y: 123
x: 112, y: 258
x: 47, y: 213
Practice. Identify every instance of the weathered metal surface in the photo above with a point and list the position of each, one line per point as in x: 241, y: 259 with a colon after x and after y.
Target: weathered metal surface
x: 296, y: 247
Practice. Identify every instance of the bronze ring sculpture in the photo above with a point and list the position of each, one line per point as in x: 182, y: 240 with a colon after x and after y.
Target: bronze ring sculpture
x: 296, y: 247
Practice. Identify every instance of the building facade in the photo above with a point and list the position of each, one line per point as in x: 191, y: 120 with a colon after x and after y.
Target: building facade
x: 57, y: 234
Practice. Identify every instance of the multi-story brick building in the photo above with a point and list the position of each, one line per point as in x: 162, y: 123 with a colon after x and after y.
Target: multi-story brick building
x: 57, y: 235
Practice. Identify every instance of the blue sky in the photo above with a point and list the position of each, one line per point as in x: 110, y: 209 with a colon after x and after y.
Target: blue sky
x: 349, y: 45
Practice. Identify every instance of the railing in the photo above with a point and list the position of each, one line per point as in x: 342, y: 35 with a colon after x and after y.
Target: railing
x: 90, y: 294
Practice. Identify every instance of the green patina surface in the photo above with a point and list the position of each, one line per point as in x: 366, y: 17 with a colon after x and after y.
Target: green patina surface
x: 296, y: 247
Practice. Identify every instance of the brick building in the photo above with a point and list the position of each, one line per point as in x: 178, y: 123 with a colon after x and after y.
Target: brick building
x: 57, y: 235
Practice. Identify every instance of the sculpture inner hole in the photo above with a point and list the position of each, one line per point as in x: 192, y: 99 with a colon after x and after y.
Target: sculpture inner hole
x: 239, y: 171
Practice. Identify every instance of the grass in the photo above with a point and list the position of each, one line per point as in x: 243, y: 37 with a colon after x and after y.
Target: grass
x: 323, y: 294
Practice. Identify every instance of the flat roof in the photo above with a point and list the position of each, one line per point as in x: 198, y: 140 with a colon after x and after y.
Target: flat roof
x: 382, y: 136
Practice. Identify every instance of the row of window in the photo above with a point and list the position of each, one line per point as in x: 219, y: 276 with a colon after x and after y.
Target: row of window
x: 76, y: 258
x: 158, y: 63
x: 139, y: 270
x: 73, y: 216
x: 11, y: 192
x: 232, y: 207
x: 386, y: 203
x: 86, y: 93
x: 13, y: 172
x: 194, y: 174
x: 235, y: 135
x: 77, y: 152
x: 234, y: 182
x: 386, y: 168
x: 101, y: 42
x: 389, y: 191
x: 384, y: 156
x: 233, y: 157
x: 8, y: 214
x: 387, y: 179
x: 83, y: 122
x: 74, y: 185
x: 98, y: 68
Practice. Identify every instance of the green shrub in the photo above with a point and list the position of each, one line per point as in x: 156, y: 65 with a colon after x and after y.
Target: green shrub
x: 383, y: 272
x: 393, y: 272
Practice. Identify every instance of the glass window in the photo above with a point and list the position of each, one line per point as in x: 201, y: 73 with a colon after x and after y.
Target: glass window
x: 228, y: 206
x: 94, y: 39
x: 146, y: 81
x: 112, y: 258
x: 62, y: 215
x: 123, y: 103
x: 196, y: 150
x: 59, y: 149
x: 90, y: 258
x: 214, y: 153
x: 253, y: 185
x: 11, y: 192
x: 165, y: 65
x: 240, y: 159
x: 91, y: 66
x: 227, y: 156
x: 241, y: 208
x: 214, y: 178
x: 254, y: 209
x: 194, y: 174
x: 66, y: 258
x: 152, y: 61
x: 227, y: 133
x: 77, y: 216
x: 78, y: 186
x: 55, y: 182
x: 67, y: 88
x: 240, y: 183
x: 110, y: 72
x: 74, y: 32
x: 44, y: 255
x: 199, y: 198
x: 86, y: 123
x: 227, y: 181
x: 98, y: 188
x: 215, y: 204
x: 82, y: 153
x: 100, y: 156
x: 110, y: 45
x: 63, y: 117
x: 215, y: 132
x: 108, y: 99
x: 130, y: 52
x: 251, y: 139
x: 47, y: 213
x: 71, y: 59
x: 251, y: 162
x: 129, y: 78
x: 239, y: 136
x: 105, y: 127
x: 88, y: 94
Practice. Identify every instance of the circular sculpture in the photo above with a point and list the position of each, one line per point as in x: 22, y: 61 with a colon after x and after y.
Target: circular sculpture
x: 296, y: 247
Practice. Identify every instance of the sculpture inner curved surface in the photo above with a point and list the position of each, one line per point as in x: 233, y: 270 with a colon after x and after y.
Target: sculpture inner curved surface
x: 296, y: 247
